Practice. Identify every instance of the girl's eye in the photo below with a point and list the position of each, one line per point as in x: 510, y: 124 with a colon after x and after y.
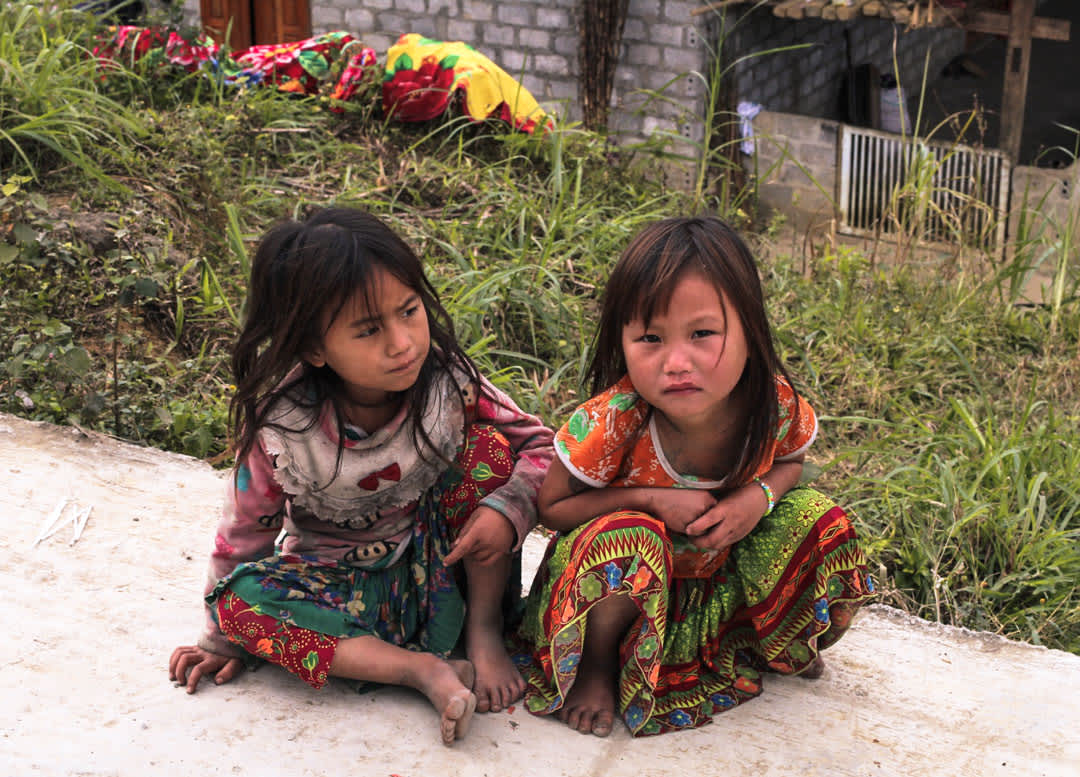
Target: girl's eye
x: 410, y: 312
x: 369, y: 332
x: 703, y: 333
x: 649, y: 338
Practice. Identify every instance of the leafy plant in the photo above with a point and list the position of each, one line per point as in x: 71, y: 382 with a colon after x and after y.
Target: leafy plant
x: 950, y: 415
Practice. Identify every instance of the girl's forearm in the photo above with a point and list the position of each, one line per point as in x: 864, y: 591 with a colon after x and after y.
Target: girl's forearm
x: 575, y: 509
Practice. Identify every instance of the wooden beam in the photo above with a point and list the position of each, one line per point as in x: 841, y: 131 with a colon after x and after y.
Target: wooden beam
x: 1017, y: 66
x: 924, y: 14
x: 848, y: 12
x: 877, y: 8
x: 792, y: 9
x: 995, y: 23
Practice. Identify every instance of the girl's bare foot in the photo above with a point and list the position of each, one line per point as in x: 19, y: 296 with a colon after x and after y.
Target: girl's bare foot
x: 465, y: 671
x: 447, y: 685
x: 815, y: 670
x: 456, y: 717
x: 498, y: 682
x: 590, y: 704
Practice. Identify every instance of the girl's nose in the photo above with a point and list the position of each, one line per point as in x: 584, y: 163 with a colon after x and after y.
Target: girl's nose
x: 399, y: 339
x: 676, y: 361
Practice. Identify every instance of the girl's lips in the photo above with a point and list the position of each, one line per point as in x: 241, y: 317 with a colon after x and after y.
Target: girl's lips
x: 681, y: 388
x: 405, y: 367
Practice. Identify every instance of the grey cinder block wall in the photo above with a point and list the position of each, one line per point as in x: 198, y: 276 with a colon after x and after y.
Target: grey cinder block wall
x: 665, y: 47
x: 537, y: 42
x: 806, y: 80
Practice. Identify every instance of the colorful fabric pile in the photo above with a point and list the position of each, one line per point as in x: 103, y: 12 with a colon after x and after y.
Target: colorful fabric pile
x: 422, y: 76
x: 300, y: 67
x: 156, y: 47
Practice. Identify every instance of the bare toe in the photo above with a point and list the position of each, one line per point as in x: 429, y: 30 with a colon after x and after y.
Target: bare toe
x: 463, y: 723
x: 497, y: 696
x: 455, y: 708
x: 457, y: 716
x: 603, y: 724
x: 515, y: 692
x: 815, y: 670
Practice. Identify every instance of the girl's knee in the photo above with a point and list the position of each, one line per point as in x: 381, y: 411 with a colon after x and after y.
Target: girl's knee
x: 629, y: 520
x: 303, y: 652
x: 630, y: 531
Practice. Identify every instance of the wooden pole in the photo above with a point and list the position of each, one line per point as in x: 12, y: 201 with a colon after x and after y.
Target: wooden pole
x: 600, y: 31
x: 1017, y: 65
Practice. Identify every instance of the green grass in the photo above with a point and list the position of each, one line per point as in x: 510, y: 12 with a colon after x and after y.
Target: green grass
x: 950, y: 414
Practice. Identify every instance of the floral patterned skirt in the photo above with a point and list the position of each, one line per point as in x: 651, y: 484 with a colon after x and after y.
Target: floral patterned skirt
x: 698, y: 646
x: 416, y: 602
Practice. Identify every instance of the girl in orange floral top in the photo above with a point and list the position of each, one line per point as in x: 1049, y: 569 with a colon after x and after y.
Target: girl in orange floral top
x: 687, y: 559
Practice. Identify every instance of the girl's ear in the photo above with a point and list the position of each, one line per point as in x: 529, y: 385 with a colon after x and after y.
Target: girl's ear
x: 315, y: 357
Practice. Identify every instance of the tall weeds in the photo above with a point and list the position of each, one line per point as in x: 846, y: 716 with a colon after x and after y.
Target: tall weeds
x: 52, y: 110
x: 950, y: 416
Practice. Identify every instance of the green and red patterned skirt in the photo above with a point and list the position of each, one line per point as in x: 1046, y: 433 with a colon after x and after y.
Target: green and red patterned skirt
x: 699, y: 645
x: 291, y: 610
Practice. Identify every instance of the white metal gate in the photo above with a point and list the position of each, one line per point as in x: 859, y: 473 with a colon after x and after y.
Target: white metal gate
x: 935, y: 192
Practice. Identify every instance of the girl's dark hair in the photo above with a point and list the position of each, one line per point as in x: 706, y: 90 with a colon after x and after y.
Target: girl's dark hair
x: 641, y: 286
x: 301, y: 271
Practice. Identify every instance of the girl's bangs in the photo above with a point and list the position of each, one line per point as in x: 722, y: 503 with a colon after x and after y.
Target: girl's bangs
x: 355, y: 277
x: 650, y: 292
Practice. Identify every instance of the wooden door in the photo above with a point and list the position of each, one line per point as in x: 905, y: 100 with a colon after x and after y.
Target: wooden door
x: 281, y: 21
x: 234, y: 16
x: 256, y: 21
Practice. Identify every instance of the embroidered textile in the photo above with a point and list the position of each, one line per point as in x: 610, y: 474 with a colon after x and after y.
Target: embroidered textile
x: 608, y: 442
x: 420, y: 80
x: 699, y: 645
x: 422, y: 75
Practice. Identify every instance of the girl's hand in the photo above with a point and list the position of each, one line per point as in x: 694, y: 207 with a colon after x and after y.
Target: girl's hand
x: 487, y: 536
x: 729, y: 521
x: 679, y: 508
x: 189, y: 663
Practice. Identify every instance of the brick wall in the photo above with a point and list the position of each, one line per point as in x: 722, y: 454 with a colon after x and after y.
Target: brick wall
x: 806, y: 192
x: 1049, y: 200
x: 664, y: 48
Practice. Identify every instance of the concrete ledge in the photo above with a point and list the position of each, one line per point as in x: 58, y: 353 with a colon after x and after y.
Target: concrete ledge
x: 90, y: 627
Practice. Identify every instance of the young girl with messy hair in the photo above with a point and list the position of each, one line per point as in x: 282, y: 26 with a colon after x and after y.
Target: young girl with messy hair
x: 687, y: 559
x: 369, y: 441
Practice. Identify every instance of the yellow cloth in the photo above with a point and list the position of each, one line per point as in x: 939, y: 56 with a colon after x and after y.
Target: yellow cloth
x: 422, y: 74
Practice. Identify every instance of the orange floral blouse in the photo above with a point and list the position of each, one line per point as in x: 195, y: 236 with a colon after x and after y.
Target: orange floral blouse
x: 598, y: 446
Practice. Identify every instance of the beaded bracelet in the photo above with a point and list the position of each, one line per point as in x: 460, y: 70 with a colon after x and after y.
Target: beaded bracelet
x: 768, y: 495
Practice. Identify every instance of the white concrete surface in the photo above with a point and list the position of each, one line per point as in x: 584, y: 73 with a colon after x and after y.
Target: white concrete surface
x: 90, y: 626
